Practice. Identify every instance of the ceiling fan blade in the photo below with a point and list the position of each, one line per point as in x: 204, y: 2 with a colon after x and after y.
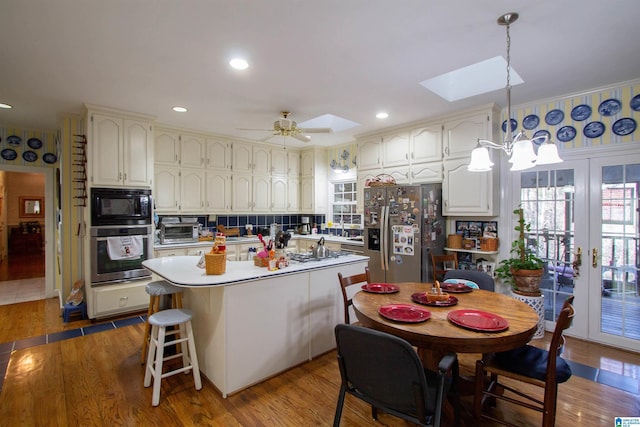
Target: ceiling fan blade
x: 263, y: 130
x: 316, y: 130
x: 301, y: 138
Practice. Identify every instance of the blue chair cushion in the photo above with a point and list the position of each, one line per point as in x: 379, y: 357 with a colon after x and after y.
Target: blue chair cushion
x: 532, y: 362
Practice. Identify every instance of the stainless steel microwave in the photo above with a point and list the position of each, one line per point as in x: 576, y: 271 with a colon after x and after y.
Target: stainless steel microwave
x: 179, y: 232
x: 120, y: 206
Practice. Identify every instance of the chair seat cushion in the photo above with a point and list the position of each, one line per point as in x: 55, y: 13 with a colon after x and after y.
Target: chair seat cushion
x: 532, y: 362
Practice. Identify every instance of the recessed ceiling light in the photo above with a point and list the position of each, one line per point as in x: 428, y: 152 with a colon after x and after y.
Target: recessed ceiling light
x: 382, y: 115
x: 179, y: 109
x: 7, y: 106
x: 239, y: 64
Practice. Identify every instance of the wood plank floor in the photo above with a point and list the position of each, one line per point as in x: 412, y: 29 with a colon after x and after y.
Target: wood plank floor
x: 96, y: 380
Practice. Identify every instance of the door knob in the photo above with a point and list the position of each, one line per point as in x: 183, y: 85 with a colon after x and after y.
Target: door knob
x: 594, y: 258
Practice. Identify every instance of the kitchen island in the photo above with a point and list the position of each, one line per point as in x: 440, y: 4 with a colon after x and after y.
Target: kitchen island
x: 250, y: 323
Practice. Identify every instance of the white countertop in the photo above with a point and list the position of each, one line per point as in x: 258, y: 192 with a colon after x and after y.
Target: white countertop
x: 242, y: 240
x: 183, y: 270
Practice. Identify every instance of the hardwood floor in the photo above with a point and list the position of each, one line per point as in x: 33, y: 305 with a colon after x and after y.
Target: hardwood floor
x: 22, y: 266
x: 97, y: 380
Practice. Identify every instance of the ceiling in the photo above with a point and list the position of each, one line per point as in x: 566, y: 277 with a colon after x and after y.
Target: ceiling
x: 349, y: 58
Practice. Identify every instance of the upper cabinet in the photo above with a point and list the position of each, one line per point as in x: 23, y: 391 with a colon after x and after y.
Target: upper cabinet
x: 370, y: 153
x: 461, y: 135
x: 426, y: 144
x: 192, y: 151
x: 395, y: 149
x: 218, y: 154
x: 120, y: 147
x: 250, y: 158
x: 175, y: 148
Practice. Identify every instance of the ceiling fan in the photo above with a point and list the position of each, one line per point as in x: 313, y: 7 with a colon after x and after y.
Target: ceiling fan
x: 284, y: 126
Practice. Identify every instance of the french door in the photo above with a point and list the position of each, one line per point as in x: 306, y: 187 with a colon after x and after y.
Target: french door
x: 585, y: 220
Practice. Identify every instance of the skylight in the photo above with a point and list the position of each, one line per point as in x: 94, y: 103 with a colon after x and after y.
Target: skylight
x: 337, y: 124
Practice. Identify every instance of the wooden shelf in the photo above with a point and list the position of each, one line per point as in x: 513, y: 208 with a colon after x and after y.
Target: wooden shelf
x: 473, y: 251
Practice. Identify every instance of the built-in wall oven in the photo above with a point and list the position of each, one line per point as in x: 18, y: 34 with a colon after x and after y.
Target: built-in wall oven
x: 121, y: 234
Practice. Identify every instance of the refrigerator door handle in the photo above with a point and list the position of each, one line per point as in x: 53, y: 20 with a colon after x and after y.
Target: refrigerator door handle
x: 382, y: 235
x: 385, y: 236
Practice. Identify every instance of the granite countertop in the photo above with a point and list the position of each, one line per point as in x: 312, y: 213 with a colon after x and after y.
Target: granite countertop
x: 183, y: 270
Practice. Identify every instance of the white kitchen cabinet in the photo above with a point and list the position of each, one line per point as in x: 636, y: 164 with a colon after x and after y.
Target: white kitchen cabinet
x: 241, y: 193
x: 395, y: 150
x: 278, y: 161
x: 166, y: 147
x: 308, y: 163
x: 166, y: 190
x: 261, y: 193
x: 461, y: 135
x: 161, y: 253
x: 370, y: 153
x: 261, y: 160
x: 250, y: 158
x: 218, y: 191
x: 426, y: 144
x: 192, y: 190
x: 425, y: 173
x: 121, y: 150
x: 293, y: 195
x: 467, y: 193
x: 399, y: 173
x: 279, y: 192
x: 314, y: 182
x: 218, y: 154
x: 192, y: 151
x: 293, y: 164
x: 126, y: 297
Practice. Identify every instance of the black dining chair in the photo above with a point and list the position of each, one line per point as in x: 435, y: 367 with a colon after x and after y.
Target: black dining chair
x: 386, y: 372
x: 483, y: 280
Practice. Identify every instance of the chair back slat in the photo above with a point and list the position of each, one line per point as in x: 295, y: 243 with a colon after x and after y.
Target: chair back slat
x: 442, y: 263
x: 348, y: 281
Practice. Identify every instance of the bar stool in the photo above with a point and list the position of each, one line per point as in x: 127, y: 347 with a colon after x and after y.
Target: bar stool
x: 159, y: 321
x: 156, y: 290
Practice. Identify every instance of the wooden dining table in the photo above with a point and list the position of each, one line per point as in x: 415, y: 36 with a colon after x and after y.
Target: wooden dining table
x: 438, y: 335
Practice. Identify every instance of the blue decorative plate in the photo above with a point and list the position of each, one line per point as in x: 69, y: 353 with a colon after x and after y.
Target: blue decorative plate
x: 30, y: 156
x: 581, y: 112
x: 635, y: 103
x: 34, y: 143
x: 624, y: 126
x: 538, y: 137
x: 14, y: 140
x: 566, y: 133
x: 594, y: 130
x: 609, y: 107
x: 514, y: 125
x: 9, y: 154
x: 49, y: 158
x: 531, y: 122
x: 554, y: 117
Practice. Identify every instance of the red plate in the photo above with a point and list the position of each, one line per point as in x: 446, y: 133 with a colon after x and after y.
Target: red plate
x: 456, y: 288
x: 421, y: 298
x: 380, y: 288
x: 478, y: 320
x: 404, y: 313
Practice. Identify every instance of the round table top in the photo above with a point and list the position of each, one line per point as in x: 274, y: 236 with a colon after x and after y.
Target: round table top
x: 438, y: 333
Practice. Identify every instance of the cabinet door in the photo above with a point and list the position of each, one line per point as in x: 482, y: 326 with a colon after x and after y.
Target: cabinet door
x: 426, y: 144
x: 399, y: 173
x: 241, y: 193
x: 307, y: 163
x: 425, y: 173
x: 395, y: 150
x: 461, y: 136
x: 166, y: 148
x: 278, y: 161
x: 192, y: 149
x: 369, y: 153
x: 278, y: 194
x: 192, y: 190
x: 261, y: 160
x: 307, y: 195
x: 218, y: 154
x: 166, y: 190
x: 293, y: 195
x: 261, y: 193
x: 106, y: 145
x: 466, y: 193
x: 242, y: 157
x: 293, y: 164
x: 137, y: 162
x: 218, y: 192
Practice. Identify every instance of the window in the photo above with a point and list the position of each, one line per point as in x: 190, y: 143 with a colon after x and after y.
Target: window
x: 343, y: 205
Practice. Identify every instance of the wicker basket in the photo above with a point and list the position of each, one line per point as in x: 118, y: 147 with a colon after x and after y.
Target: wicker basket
x: 454, y: 241
x: 489, y: 244
x: 381, y: 180
x: 215, y: 263
x: 260, y: 262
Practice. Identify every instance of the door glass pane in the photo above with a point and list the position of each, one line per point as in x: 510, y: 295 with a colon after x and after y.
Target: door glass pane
x: 620, y: 302
x: 547, y: 198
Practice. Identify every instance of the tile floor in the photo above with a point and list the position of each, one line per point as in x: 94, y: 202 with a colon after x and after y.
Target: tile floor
x: 14, y: 291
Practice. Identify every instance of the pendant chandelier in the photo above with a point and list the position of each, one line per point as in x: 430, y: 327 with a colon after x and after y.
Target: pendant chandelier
x: 520, y: 148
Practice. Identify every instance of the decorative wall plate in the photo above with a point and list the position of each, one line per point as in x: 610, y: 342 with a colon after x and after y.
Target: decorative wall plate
x: 635, y: 103
x: 580, y: 112
x: 566, y: 133
x: 49, y: 158
x: 34, y: 143
x: 514, y: 125
x: 30, y: 156
x: 531, y: 122
x: 594, y: 130
x: 624, y: 126
x: 9, y: 154
x: 14, y: 140
x: 539, y: 134
x: 609, y: 107
x: 554, y: 117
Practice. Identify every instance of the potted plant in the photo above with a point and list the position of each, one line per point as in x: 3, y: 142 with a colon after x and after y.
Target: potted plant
x: 524, y: 271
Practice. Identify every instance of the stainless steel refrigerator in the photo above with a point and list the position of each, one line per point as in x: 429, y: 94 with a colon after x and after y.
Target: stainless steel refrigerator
x: 403, y: 225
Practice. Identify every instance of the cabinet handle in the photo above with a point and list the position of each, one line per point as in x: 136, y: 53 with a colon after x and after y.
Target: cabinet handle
x: 201, y: 204
x: 119, y: 176
x: 413, y: 156
x: 125, y: 176
x: 406, y: 156
x: 175, y: 157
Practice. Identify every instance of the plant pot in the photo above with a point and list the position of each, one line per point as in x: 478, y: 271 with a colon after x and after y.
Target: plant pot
x: 527, y: 282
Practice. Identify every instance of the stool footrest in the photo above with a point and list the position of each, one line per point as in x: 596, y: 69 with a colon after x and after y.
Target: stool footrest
x: 177, y: 371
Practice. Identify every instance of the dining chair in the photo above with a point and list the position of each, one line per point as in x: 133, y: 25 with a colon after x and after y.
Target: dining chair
x: 347, y: 282
x: 528, y: 364
x: 386, y: 372
x: 443, y: 263
x: 483, y: 280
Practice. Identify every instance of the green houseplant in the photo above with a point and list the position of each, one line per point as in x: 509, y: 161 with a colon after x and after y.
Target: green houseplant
x: 524, y: 270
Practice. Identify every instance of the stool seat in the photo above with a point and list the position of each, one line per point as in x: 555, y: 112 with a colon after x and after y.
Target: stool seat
x: 156, y: 290
x: 159, y: 322
x: 161, y: 287
x: 70, y: 309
